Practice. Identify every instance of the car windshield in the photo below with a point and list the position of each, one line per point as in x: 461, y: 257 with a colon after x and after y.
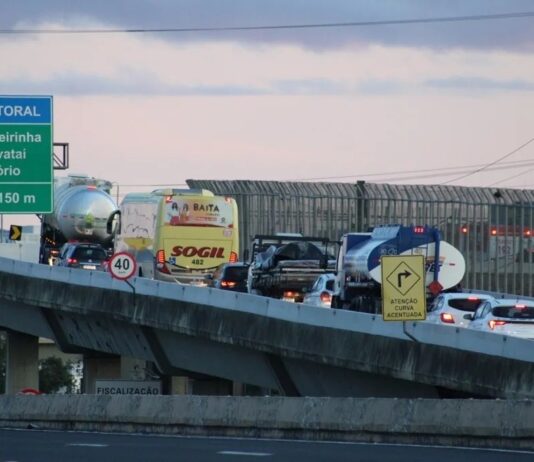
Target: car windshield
x: 236, y: 273
x: 515, y: 312
x: 469, y: 304
x: 92, y: 253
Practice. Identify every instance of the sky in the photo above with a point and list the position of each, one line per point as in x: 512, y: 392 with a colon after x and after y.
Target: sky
x: 379, y: 97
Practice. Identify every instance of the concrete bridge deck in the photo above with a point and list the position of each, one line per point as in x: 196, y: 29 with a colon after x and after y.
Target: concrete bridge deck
x: 299, y: 350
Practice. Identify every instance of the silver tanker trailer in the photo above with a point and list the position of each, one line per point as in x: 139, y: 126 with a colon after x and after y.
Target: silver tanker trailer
x: 82, y: 205
x: 359, y: 278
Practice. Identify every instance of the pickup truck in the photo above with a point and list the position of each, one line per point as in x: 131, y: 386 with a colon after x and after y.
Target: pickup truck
x: 286, y: 266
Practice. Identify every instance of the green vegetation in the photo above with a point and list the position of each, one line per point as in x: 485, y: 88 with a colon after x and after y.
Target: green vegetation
x: 54, y: 374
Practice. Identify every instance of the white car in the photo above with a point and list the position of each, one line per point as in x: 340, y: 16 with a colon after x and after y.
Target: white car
x: 505, y: 316
x: 450, y: 308
x: 321, y: 292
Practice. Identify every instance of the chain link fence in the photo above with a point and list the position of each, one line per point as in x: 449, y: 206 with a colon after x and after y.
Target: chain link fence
x: 492, y: 227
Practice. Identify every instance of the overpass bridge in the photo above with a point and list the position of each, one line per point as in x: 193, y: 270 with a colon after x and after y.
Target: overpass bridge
x: 296, y: 349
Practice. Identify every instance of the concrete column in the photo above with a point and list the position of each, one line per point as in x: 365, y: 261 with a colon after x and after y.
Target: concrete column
x: 133, y: 369
x: 99, y: 368
x: 237, y: 389
x: 109, y: 368
x: 212, y: 386
x: 22, y: 362
x: 180, y: 385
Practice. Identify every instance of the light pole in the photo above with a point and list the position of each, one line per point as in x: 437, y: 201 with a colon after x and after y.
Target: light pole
x: 114, y: 183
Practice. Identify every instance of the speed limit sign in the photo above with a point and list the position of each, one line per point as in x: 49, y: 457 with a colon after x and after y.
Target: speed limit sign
x: 122, y: 265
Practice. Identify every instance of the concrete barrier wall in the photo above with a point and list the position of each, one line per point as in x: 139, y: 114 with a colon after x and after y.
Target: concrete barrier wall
x: 480, y: 423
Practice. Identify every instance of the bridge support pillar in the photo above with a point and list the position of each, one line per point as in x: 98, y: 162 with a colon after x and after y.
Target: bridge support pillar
x: 95, y: 367
x: 237, y: 389
x: 109, y: 368
x: 133, y: 369
x: 179, y: 385
x: 22, y: 362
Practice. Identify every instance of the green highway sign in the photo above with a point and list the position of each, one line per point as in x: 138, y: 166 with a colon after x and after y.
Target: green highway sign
x: 26, y: 154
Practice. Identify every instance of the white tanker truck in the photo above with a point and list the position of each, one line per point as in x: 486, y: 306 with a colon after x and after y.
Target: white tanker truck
x: 82, y: 206
x: 358, y: 271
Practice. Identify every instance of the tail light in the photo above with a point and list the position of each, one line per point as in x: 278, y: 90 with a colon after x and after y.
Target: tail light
x: 492, y: 323
x: 493, y: 231
x: 160, y: 262
x: 233, y: 257
x: 228, y: 284
x: 419, y: 229
x: 72, y: 261
x: 325, y: 297
x: 290, y: 295
x: 446, y: 318
x: 464, y: 229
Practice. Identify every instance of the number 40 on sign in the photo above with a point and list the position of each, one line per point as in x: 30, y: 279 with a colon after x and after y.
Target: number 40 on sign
x: 122, y: 265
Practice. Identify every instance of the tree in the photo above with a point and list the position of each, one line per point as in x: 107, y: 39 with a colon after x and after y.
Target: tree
x: 55, y: 376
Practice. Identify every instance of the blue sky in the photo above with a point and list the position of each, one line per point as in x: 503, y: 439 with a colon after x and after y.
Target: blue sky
x: 340, y: 104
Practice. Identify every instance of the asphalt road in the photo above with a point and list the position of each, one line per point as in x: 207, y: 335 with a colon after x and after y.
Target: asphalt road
x: 56, y: 446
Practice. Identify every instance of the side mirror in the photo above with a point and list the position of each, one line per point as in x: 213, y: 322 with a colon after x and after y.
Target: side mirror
x: 323, y: 262
x: 113, y: 223
x: 468, y: 316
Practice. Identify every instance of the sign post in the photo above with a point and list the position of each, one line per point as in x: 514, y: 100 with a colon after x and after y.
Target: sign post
x: 26, y: 154
x: 403, y: 288
x: 123, y: 266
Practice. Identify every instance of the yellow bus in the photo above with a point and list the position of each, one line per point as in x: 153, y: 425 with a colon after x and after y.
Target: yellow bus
x: 177, y: 235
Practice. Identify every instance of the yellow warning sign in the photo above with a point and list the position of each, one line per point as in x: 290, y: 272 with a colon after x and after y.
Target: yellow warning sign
x: 15, y: 232
x: 403, y: 288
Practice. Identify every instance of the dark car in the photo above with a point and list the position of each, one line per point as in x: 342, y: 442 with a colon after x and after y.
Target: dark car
x: 231, y: 276
x: 83, y: 255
